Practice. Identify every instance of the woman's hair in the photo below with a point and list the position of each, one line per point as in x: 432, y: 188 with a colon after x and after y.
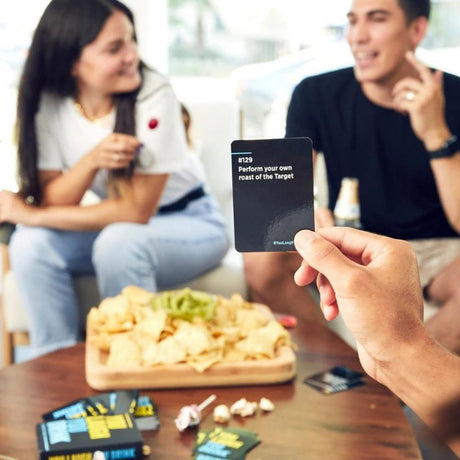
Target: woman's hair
x: 64, y: 29
x: 187, y: 120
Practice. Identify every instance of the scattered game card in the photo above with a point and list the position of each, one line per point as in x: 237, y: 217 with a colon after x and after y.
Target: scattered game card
x: 124, y: 401
x: 339, y: 378
x: 146, y: 414
x: 143, y: 409
x: 75, y: 409
x: 272, y: 192
x: 115, y: 402
x: 228, y: 442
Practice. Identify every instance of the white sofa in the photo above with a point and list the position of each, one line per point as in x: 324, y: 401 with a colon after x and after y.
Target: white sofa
x: 215, y: 123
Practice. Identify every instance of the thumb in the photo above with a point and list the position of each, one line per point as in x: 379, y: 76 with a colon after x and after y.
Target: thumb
x: 322, y: 255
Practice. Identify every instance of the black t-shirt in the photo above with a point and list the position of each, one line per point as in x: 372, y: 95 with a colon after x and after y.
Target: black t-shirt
x: 358, y: 138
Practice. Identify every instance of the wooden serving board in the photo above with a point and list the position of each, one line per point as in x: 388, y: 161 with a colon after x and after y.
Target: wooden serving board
x: 268, y: 371
x: 250, y: 372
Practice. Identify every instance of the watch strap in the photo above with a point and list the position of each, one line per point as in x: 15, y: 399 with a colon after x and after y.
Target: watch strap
x: 450, y: 147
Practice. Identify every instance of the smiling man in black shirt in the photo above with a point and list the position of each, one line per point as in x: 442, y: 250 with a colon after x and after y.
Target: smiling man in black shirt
x: 392, y: 123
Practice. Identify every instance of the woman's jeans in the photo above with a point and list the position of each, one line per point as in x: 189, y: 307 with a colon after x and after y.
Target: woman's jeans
x: 169, y: 250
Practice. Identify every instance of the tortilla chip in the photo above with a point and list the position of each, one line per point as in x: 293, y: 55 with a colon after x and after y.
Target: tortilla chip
x: 124, y: 352
x: 170, y: 352
x: 230, y: 334
x: 194, y: 339
x: 231, y: 354
x: 261, y: 342
x: 152, y: 325
x: 95, y: 318
x: 134, y: 334
x: 104, y: 340
x: 205, y: 360
x: 137, y: 296
x: 150, y: 354
x: 250, y: 319
x: 114, y: 305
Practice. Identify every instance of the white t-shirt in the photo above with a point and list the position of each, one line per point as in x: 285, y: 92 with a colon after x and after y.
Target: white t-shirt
x: 64, y: 136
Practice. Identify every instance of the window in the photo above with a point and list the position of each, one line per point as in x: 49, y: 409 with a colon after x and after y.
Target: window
x: 213, y: 37
x: 261, y: 48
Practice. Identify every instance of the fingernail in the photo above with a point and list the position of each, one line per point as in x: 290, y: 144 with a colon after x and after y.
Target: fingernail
x: 328, y: 312
x: 303, y: 237
x: 306, y: 235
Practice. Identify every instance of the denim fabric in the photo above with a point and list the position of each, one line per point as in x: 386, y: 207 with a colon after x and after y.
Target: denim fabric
x: 169, y: 250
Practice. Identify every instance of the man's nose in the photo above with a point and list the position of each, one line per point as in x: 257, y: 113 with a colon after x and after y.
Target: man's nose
x: 358, y: 33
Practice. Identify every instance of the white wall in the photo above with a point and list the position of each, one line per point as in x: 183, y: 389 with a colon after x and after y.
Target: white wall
x: 151, y: 17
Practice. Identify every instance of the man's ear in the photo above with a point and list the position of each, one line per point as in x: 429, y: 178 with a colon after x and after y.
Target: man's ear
x: 417, y: 30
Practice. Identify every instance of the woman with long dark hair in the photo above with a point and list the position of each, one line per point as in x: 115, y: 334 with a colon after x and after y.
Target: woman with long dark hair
x: 91, y: 116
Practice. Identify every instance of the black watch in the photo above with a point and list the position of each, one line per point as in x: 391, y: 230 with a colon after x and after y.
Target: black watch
x: 450, y: 148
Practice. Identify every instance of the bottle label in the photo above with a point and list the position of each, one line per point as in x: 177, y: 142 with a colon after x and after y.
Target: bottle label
x: 347, y: 211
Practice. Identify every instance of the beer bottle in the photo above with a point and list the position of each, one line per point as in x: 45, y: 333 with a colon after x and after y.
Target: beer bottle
x: 347, y: 211
x: 6, y: 230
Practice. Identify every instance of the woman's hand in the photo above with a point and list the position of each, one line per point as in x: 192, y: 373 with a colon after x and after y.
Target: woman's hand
x: 14, y: 209
x: 116, y: 151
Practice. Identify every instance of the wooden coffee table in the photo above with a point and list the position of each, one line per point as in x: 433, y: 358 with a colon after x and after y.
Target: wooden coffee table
x: 366, y: 422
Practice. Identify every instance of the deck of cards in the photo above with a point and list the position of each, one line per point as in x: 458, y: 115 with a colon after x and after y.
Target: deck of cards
x: 339, y: 378
x: 272, y: 192
x: 144, y: 411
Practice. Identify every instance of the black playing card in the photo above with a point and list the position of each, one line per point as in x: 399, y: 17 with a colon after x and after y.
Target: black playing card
x: 272, y: 192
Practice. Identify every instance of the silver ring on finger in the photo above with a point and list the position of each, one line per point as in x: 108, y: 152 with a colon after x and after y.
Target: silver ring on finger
x: 410, y: 95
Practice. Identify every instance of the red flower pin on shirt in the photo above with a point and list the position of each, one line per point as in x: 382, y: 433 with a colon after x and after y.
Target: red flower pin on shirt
x: 153, y: 123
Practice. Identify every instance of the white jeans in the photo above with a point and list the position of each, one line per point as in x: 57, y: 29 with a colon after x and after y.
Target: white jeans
x: 169, y: 250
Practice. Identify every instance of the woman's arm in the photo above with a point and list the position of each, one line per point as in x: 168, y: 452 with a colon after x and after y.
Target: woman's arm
x: 138, y: 203
x: 116, y: 151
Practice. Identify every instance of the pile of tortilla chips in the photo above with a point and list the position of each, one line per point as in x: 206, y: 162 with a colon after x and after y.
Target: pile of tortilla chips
x: 136, y: 331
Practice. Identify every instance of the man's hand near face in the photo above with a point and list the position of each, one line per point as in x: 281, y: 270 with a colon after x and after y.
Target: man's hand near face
x: 423, y: 100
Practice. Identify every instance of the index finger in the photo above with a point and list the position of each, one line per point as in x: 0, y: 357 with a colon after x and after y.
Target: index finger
x: 358, y: 245
x: 127, y: 139
x: 425, y: 73
x: 321, y: 255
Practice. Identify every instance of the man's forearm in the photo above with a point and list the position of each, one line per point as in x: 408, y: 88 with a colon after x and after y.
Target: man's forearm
x: 427, y: 378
